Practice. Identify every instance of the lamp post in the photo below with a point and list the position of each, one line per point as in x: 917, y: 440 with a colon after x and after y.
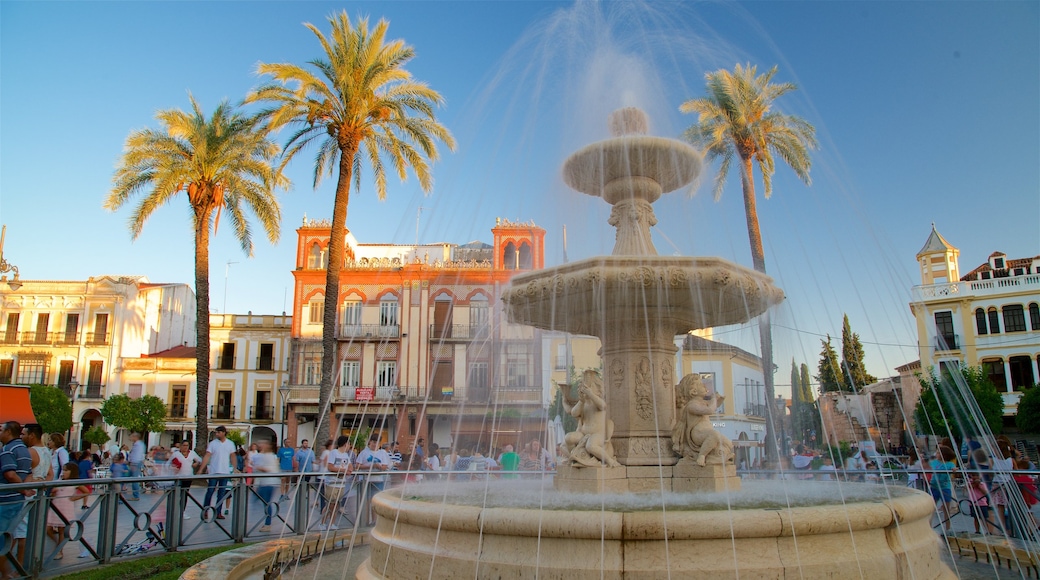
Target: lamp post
x: 6, y: 266
x: 73, y: 391
x: 283, y: 393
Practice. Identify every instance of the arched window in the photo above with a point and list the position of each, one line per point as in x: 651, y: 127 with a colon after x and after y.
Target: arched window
x: 509, y: 257
x: 994, y: 321
x: 315, y: 258
x: 525, y: 260
x: 994, y: 369
x: 980, y: 321
x: 1034, y: 316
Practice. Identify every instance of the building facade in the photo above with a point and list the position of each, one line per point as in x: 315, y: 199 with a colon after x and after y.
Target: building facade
x: 423, y: 347
x: 73, y: 334
x: 989, y: 316
x: 249, y: 366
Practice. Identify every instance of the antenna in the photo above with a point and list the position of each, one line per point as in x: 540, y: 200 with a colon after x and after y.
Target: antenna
x: 227, y: 266
x: 418, y: 214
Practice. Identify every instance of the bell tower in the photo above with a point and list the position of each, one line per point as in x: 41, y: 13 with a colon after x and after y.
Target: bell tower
x: 938, y: 260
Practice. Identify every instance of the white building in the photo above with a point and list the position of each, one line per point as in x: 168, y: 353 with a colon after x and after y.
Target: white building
x: 988, y: 317
x: 76, y: 333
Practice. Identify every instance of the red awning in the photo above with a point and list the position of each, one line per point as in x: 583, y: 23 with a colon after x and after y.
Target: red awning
x: 14, y: 404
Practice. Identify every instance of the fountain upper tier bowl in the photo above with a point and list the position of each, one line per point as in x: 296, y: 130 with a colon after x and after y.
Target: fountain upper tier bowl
x: 678, y: 293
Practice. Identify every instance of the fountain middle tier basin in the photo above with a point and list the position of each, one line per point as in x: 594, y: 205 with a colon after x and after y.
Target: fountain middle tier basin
x: 679, y: 293
x: 770, y: 529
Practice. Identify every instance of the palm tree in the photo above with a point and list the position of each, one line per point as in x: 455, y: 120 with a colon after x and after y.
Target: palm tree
x: 224, y: 163
x: 359, y: 104
x: 736, y: 120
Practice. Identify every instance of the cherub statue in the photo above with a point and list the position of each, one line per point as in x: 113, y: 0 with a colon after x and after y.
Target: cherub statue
x: 590, y: 444
x: 693, y: 435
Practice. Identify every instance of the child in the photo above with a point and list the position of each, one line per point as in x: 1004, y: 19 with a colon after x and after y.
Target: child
x: 119, y: 470
x: 978, y: 496
x: 86, y: 471
x: 62, y: 499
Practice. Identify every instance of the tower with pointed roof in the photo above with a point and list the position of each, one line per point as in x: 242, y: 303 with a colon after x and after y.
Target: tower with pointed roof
x: 938, y: 260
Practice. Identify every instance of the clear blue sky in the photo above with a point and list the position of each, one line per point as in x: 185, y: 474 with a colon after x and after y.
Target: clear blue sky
x: 926, y: 112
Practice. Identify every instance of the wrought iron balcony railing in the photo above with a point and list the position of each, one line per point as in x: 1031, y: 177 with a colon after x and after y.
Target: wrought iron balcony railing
x: 222, y: 412
x: 261, y: 413
x: 369, y: 331
x: 177, y: 411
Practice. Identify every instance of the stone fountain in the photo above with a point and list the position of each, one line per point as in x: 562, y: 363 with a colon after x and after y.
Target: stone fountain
x: 650, y: 490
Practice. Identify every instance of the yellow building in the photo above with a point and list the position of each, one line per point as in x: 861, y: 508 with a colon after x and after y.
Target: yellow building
x: 989, y: 316
x: 250, y: 363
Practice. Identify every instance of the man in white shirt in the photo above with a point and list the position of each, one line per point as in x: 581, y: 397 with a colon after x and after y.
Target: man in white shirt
x: 373, y: 460
x: 339, y: 463
x: 220, y: 458
x: 183, y: 462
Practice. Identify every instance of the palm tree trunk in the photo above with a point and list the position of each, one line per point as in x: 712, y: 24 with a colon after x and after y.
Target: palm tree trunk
x: 329, y: 343
x: 201, y: 329
x: 765, y: 330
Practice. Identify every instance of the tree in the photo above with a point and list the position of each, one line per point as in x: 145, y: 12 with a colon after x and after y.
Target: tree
x: 1028, y: 418
x: 804, y: 416
x: 854, y: 373
x: 146, y: 414
x: 945, y: 411
x: 811, y: 411
x: 96, y: 436
x: 52, y: 408
x: 829, y: 372
x: 736, y: 120
x: 358, y: 103
x: 224, y: 163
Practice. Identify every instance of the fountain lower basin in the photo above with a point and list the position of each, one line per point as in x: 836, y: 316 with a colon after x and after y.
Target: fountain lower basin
x: 768, y: 530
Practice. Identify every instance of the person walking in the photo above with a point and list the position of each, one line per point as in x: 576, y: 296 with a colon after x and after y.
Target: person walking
x: 266, y: 462
x: 59, y: 455
x: 183, y: 462
x: 219, y: 459
x: 304, y: 459
x: 373, y: 461
x: 15, y: 467
x: 339, y: 464
x: 135, y: 462
x: 286, y: 453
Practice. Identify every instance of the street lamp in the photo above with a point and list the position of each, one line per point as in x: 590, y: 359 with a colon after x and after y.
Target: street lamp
x: 73, y: 391
x: 283, y: 393
x: 6, y: 266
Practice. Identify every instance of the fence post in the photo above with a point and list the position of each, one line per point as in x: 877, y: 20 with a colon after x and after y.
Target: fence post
x: 239, y: 508
x: 174, y: 525
x: 108, y: 514
x: 302, y: 504
x: 36, y: 538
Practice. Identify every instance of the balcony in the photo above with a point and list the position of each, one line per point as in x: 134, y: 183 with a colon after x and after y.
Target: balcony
x: 261, y: 413
x: 525, y: 394
x: 560, y: 363
x: 9, y: 338
x: 368, y: 332
x: 92, y: 392
x: 265, y: 363
x: 946, y: 342
x: 176, y: 411
x: 97, y: 338
x: 222, y: 412
x: 37, y: 337
x: 753, y: 410
x: 458, y: 331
